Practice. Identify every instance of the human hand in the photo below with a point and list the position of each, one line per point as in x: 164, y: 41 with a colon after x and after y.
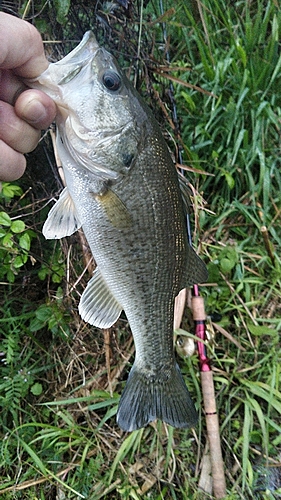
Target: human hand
x: 23, y: 113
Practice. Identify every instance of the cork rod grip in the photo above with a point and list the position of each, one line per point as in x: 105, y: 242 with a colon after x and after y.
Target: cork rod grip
x: 212, y: 422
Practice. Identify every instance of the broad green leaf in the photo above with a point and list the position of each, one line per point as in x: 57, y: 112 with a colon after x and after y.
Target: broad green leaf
x: 36, y: 389
x: 24, y: 241
x: 19, y: 261
x: 43, y: 273
x: 17, y: 226
x: 10, y: 276
x: 7, y: 241
x: 44, y: 313
x: 36, y: 324
x: 5, y: 219
x: 10, y: 190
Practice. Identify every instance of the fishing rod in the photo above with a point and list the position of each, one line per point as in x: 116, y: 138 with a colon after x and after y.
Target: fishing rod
x: 199, y: 318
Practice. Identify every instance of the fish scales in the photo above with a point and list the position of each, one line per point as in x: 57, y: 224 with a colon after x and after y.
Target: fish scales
x: 122, y: 188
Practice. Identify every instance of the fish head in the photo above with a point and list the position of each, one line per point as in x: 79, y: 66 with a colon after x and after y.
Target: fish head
x: 99, y: 113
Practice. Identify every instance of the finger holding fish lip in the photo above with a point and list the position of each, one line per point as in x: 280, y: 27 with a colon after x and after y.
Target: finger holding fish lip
x: 36, y: 108
x: 20, y: 127
x: 21, y: 56
x: 10, y: 86
x: 16, y: 137
x: 16, y: 133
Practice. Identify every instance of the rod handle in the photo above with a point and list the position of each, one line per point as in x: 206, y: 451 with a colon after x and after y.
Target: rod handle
x: 212, y: 422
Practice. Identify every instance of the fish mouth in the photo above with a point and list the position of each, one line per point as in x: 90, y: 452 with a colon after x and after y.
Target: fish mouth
x: 86, y: 48
x: 66, y: 69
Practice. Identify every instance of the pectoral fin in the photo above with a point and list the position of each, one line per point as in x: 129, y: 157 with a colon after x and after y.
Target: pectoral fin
x: 62, y: 219
x: 114, y: 209
x: 97, y: 305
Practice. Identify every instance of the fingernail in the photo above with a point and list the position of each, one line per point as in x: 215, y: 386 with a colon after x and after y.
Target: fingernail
x: 34, y: 112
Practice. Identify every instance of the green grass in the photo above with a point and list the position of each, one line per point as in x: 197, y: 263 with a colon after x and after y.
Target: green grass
x: 60, y: 381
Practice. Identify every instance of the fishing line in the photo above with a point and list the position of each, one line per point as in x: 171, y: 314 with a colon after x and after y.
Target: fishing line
x: 171, y: 93
x: 139, y: 43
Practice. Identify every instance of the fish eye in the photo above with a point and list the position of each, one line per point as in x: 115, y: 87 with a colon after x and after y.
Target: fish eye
x: 111, y: 80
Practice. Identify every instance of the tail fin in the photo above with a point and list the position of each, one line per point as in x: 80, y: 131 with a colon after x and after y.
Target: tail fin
x: 147, y: 397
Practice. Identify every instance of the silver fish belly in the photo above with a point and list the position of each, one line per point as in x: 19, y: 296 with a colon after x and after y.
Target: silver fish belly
x: 122, y: 188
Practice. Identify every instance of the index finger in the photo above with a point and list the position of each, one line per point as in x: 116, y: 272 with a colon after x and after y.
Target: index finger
x: 21, y: 47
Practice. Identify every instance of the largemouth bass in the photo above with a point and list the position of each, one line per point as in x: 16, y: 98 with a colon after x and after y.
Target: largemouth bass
x: 122, y: 189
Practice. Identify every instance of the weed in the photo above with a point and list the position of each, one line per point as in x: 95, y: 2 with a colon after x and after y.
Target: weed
x: 15, y: 237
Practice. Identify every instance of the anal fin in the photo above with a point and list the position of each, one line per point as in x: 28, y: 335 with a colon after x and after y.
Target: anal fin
x: 97, y: 305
